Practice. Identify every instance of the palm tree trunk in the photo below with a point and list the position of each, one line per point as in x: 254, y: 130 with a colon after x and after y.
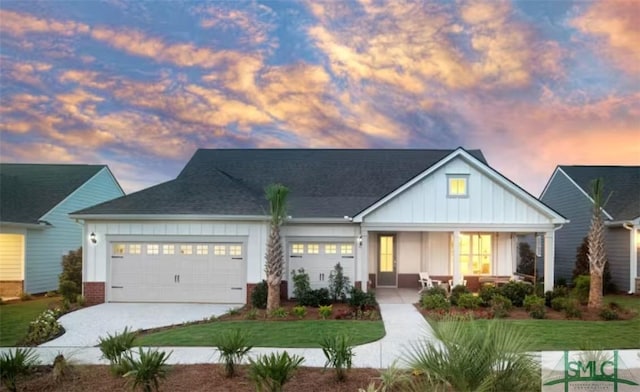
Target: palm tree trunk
x: 274, y: 268
x: 595, y: 290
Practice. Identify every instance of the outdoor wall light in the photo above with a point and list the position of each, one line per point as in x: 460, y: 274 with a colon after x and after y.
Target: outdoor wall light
x: 93, y: 238
x: 360, y: 241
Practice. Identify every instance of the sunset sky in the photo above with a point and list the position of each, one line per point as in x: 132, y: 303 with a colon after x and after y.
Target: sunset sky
x: 141, y: 85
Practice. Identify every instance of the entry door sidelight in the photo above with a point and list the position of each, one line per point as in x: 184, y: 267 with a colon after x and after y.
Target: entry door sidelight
x: 387, y: 274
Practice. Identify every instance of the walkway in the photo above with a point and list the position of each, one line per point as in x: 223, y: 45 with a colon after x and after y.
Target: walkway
x: 403, y: 324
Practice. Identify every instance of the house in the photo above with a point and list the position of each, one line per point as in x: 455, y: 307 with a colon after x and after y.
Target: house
x: 385, y: 215
x: 568, y: 192
x: 35, y: 229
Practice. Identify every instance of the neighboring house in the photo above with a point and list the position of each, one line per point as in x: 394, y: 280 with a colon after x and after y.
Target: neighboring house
x: 35, y: 229
x: 569, y: 192
x: 385, y: 215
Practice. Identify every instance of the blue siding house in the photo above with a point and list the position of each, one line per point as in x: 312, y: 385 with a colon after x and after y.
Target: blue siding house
x: 568, y: 192
x: 35, y: 228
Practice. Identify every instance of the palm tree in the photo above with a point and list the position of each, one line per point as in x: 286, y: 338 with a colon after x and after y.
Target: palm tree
x: 277, y: 196
x: 597, y: 257
x: 467, y: 355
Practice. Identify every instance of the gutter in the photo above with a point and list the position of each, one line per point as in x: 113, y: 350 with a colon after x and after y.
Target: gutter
x: 41, y: 225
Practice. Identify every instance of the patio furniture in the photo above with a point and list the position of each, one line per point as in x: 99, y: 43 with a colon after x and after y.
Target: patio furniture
x: 463, y: 282
x: 426, y: 282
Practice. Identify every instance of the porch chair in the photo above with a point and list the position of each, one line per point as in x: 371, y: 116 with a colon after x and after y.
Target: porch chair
x: 462, y: 282
x: 426, y: 282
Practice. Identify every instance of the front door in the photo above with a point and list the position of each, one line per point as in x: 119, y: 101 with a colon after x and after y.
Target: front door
x: 387, y: 260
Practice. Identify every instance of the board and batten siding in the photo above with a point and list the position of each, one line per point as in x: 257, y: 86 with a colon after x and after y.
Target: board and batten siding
x: 11, y: 256
x: 253, y: 234
x: 488, y: 202
x: 45, y: 248
x: 563, y: 196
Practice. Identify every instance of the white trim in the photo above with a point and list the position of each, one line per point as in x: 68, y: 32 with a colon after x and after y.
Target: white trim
x: 516, y: 228
x: 484, y: 169
x: 35, y: 226
x: 172, y: 217
x: 581, y: 191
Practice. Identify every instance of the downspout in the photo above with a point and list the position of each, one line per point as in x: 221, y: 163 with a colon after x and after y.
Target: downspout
x: 549, y: 254
x: 633, y: 256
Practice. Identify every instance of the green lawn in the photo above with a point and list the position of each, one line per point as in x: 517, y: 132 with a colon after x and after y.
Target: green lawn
x: 15, y: 318
x: 557, y: 335
x: 288, y: 334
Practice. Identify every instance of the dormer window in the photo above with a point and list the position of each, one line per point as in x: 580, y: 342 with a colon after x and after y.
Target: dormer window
x: 457, y: 185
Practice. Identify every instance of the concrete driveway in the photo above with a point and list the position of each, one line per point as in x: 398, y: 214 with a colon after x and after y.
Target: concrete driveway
x: 84, y: 327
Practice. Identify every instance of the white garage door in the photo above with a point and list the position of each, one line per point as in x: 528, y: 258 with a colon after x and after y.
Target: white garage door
x: 319, y: 259
x: 177, y: 272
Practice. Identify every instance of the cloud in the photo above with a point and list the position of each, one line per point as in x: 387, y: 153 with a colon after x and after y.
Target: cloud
x: 19, y: 24
x: 615, y: 25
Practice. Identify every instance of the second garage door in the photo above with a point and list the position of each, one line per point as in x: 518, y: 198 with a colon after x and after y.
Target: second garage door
x: 177, y: 272
x: 318, y: 259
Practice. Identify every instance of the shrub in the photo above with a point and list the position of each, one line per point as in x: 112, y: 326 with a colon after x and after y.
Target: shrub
x: 500, y: 306
x: 24, y: 296
x: 301, y: 285
x: 527, y: 257
x: 486, y: 293
x: 251, y: 314
x: 557, y: 292
x: 358, y: 299
x: 232, y: 311
x: 435, y: 302
x: 60, y: 368
x: 147, y: 370
x: 270, y: 372
x: 559, y: 303
x: 232, y: 346
x: 435, y: 290
x: 325, y: 311
x: 113, y: 348
x: 15, y: 363
x: 571, y: 308
x: 516, y: 292
x: 45, y: 327
x: 259, y: 295
x: 469, y: 301
x: 81, y: 300
x: 581, y: 288
x: 70, y: 279
x: 339, y: 353
x: 299, y: 311
x: 608, y: 313
x: 581, y: 267
x: 535, y: 306
x: 338, y: 284
x: 316, y: 298
x: 456, y: 291
x: 279, y: 313
x: 393, y: 378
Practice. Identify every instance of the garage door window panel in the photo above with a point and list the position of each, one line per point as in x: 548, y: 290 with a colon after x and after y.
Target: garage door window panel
x: 202, y: 249
x: 330, y: 249
x: 346, y: 249
x: 186, y: 249
x: 168, y: 249
x: 235, y: 250
x: 313, y: 249
x: 135, y: 249
x: 153, y: 249
x: 219, y: 250
x: 119, y: 249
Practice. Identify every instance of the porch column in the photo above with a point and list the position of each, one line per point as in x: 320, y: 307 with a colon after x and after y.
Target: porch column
x: 549, y: 261
x: 457, y: 275
x: 633, y: 258
x: 363, y: 260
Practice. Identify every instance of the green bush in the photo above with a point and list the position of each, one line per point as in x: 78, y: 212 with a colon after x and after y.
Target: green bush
x: 15, y: 363
x: 70, y: 279
x: 339, y: 354
x: 299, y: 311
x: 571, y: 308
x: 486, y: 293
x: 456, y: 291
x: 113, y: 348
x: 259, y: 295
x: 316, y: 298
x: 24, y: 296
x: 45, y: 327
x: 535, y: 306
x: 270, y: 372
x: 557, y: 292
x: 500, y: 306
x: 608, y: 313
x: 338, y: 284
x: 301, y: 285
x: 435, y: 290
x: 581, y: 287
x: 232, y: 347
x: 147, y: 369
x: 358, y: 299
x: 251, y: 314
x: 469, y: 301
x: 559, y: 303
x: 279, y: 313
x: 325, y: 311
x: 435, y: 302
x: 516, y: 292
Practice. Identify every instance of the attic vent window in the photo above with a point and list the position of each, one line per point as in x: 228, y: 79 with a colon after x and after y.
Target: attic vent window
x: 457, y: 185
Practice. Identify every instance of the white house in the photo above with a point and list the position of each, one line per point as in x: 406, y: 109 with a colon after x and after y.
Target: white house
x: 385, y: 215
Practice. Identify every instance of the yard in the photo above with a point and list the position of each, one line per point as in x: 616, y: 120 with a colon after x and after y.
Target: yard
x: 16, y: 316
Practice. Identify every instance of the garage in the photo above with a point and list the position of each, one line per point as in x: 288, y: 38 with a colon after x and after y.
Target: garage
x: 318, y: 259
x: 177, y: 272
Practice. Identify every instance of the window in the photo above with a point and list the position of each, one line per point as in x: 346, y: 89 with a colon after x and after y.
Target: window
x: 235, y: 250
x: 386, y: 253
x: 297, y: 249
x: 202, y: 249
x: 135, y: 249
x: 457, y: 185
x: 330, y: 249
x: 475, y: 254
x: 313, y: 249
x: 168, y: 249
x: 153, y: 249
x: 118, y: 249
x: 186, y: 249
x: 219, y: 250
x: 346, y: 249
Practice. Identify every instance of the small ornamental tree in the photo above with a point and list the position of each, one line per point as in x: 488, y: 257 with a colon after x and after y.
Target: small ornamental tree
x: 70, y: 280
x: 581, y: 267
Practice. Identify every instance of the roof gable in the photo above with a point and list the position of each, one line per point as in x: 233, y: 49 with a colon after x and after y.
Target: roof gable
x: 29, y: 191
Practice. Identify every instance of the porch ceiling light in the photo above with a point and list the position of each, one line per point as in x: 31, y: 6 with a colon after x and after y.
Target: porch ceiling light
x: 93, y: 238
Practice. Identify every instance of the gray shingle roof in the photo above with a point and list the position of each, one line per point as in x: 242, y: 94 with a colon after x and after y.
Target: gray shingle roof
x: 29, y: 191
x: 322, y: 183
x: 622, y: 182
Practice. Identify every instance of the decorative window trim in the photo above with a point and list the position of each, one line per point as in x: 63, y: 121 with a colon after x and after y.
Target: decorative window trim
x: 455, y: 193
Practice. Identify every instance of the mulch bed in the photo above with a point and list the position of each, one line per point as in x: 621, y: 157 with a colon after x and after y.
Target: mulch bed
x: 97, y: 378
